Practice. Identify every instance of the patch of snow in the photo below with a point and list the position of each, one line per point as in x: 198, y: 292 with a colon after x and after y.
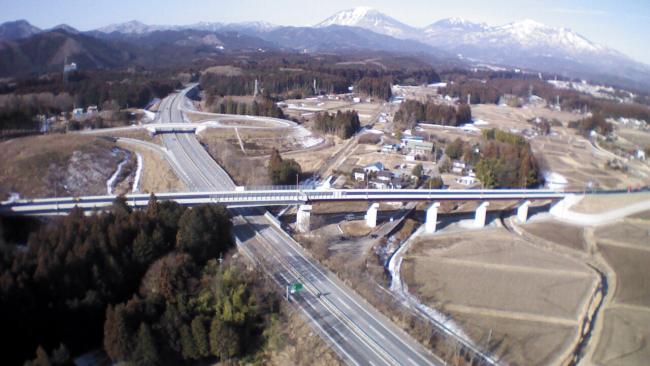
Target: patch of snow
x: 151, y: 115
x: 400, y: 289
x: 469, y: 128
x: 303, y: 137
x: 138, y: 174
x: 374, y: 132
x: 113, y: 178
x: 479, y: 122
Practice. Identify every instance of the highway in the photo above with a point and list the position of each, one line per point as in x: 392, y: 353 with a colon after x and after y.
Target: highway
x: 356, y: 331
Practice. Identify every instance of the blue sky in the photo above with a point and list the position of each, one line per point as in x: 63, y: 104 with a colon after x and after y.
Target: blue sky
x: 623, y: 25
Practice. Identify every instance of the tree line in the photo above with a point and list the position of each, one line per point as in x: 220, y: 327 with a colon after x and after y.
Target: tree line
x: 594, y: 123
x: 145, y: 282
x: 267, y: 108
x: 490, y: 87
x: 413, y: 111
x: 342, y: 124
x: 285, y: 82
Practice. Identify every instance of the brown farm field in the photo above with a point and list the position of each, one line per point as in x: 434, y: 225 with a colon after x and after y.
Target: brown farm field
x: 558, y: 233
x: 527, y: 303
x: 625, y: 339
x: 601, y: 203
x: 633, y: 278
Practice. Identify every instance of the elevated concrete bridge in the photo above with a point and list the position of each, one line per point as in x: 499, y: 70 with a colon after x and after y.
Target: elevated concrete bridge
x: 241, y: 197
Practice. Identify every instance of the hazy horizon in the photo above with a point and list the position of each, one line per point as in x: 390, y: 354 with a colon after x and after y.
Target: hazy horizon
x: 624, y: 27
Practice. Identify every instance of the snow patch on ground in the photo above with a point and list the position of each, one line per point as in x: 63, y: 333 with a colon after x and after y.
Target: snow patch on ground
x: 138, y: 174
x: 149, y: 114
x: 479, y: 122
x: 189, y: 104
x: 400, y: 289
x: 373, y: 131
x: 111, y: 181
x: 303, y: 137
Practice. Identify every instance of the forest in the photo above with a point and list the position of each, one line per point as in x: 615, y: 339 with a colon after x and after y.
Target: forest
x: 296, y: 82
x: 342, y: 124
x: 23, y: 100
x: 145, y: 284
x: 266, y: 108
x: 505, y: 160
x: 490, y: 87
x: 412, y: 111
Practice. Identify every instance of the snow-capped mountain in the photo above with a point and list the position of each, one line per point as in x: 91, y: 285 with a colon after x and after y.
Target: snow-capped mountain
x: 132, y: 27
x: 524, y: 44
x: 457, y: 23
x: 259, y: 26
x: 370, y: 19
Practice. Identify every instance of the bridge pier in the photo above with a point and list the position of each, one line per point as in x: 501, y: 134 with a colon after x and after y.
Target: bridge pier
x: 432, y: 218
x: 561, y: 208
x: 371, y: 215
x: 303, y: 218
x: 522, y: 212
x: 481, y: 213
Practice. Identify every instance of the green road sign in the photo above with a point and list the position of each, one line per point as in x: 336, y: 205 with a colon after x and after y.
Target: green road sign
x: 296, y: 288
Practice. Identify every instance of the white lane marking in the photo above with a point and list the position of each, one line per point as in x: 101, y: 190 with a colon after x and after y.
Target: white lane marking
x: 376, y: 331
x: 343, y: 302
x: 285, y: 279
x: 413, y: 362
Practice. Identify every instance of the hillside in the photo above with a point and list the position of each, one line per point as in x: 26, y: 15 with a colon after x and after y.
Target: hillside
x: 59, y: 165
x: 47, y: 52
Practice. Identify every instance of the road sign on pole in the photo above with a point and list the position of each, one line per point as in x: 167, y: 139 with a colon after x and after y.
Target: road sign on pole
x: 296, y: 288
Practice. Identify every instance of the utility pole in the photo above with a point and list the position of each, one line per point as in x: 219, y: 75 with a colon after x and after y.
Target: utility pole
x: 256, y: 88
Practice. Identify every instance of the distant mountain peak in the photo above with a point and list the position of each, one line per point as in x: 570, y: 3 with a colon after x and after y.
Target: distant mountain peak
x: 64, y: 27
x: 18, y: 29
x: 370, y: 19
x: 461, y: 23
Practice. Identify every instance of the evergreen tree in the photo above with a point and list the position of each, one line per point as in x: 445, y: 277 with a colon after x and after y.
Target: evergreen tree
x: 200, y: 336
x: 117, y: 340
x: 152, y: 206
x: 145, y: 353
x: 189, y: 346
x: 223, y: 339
x: 143, y: 248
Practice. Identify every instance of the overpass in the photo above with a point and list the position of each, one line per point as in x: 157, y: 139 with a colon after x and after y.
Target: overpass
x: 304, y: 198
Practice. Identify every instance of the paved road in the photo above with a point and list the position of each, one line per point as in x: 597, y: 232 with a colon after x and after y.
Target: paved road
x: 355, y: 330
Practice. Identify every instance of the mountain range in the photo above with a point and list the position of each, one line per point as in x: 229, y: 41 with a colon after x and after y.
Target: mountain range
x: 524, y: 44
